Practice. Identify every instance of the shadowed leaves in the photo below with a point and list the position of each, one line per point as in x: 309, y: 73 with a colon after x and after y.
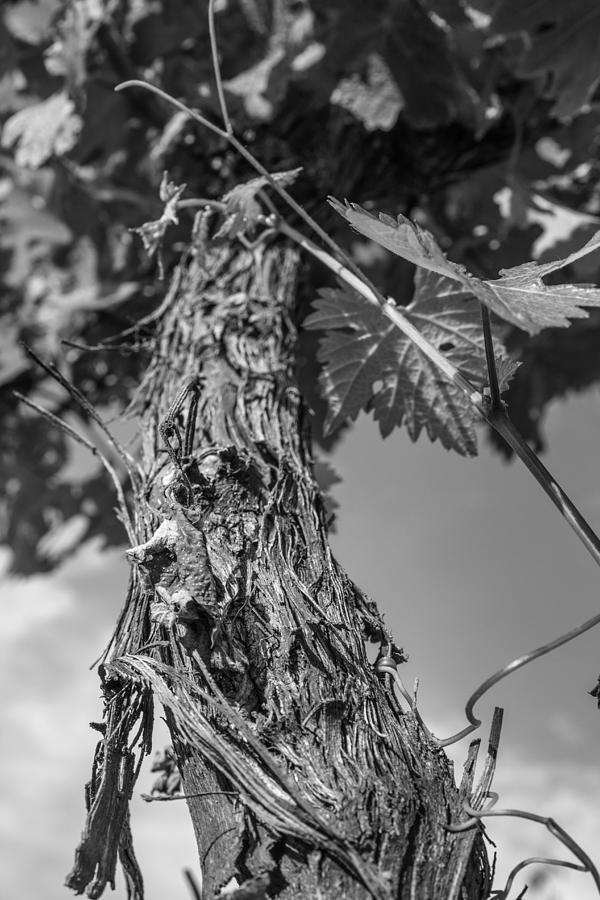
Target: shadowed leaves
x: 563, y: 41
x: 417, y: 50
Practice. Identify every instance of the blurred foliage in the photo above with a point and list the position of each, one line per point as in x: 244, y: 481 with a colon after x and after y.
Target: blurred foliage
x: 476, y: 119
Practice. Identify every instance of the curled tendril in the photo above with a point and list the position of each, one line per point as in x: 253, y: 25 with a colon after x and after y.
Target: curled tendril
x: 386, y: 664
x: 585, y: 864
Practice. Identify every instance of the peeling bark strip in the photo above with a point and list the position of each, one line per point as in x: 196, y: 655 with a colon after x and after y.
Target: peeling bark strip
x: 107, y: 831
x: 262, y: 666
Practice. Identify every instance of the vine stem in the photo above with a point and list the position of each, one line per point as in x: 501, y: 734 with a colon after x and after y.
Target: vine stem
x: 501, y: 423
x: 258, y: 167
x: 489, y: 356
x: 132, y: 467
x: 387, y: 665
x: 214, y: 49
x: 80, y: 439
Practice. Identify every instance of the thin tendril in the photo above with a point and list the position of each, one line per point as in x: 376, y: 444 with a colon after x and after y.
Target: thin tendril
x: 64, y: 426
x: 543, y: 860
x: 555, y: 829
x: 388, y: 665
x: 130, y: 464
x: 258, y: 167
x: 217, y: 67
x: 500, y: 421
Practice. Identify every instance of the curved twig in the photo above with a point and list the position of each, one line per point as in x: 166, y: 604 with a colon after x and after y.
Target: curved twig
x: 544, y: 860
x: 128, y: 461
x: 386, y: 664
x: 496, y: 400
x: 555, y: 829
x: 166, y: 798
x: 120, y: 348
x: 473, y: 820
x: 500, y: 422
x: 64, y: 426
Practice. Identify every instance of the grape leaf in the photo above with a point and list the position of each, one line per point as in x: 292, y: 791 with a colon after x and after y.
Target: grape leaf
x: 375, y: 101
x: 262, y: 87
x: 519, y: 296
x: 369, y: 364
x: 564, y: 40
x: 42, y: 129
x: 401, y: 236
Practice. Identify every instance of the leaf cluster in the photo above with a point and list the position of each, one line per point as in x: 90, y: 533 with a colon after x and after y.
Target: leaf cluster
x: 478, y: 121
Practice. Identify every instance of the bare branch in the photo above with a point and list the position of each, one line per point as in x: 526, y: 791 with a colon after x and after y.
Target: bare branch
x: 64, y: 426
x: 130, y: 464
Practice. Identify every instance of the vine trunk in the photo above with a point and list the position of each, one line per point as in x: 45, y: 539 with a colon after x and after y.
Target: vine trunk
x: 304, y: 777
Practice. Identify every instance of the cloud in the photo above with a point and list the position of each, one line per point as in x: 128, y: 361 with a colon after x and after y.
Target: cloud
x: 565, y: 729
x: 28, y: 605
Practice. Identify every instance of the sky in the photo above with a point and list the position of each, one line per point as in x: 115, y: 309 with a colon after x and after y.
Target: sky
x: 472, y: 567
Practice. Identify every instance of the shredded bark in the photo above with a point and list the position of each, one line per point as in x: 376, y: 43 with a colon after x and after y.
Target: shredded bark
x: 304, y: 777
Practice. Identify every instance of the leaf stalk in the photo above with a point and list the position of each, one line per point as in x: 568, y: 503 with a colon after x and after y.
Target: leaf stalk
x: 490, y: 358
x: 501, y: 423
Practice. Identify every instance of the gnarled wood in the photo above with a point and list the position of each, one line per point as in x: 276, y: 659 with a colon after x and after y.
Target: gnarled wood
x: 279, y: 625
x: 304, y: 778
